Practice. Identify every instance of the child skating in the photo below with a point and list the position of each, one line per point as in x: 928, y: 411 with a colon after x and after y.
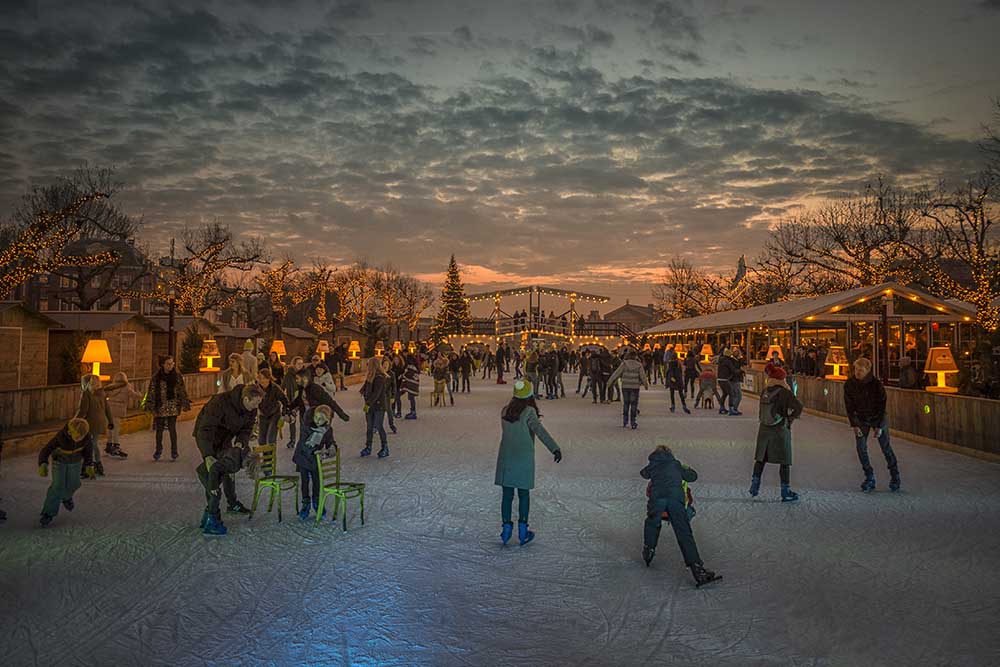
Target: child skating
x: 778, y: 409
x: 667, y: 493
x: 119, y: 393
x: 520, y: 423
x: 71, y: 450
x: 318, y: 436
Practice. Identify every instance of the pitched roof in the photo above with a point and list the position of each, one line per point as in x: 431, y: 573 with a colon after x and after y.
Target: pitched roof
x: 235, y: 332
x: 89, y: 320
x: 181, y: 322
x: 786, y: 312
x: 642, y: 311
x: 8, y: 305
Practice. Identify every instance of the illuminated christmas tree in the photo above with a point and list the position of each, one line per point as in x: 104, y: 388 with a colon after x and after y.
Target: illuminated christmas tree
x: 454, y: 316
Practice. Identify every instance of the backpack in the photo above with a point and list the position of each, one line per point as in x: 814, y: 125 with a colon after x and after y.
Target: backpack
x: 768, y: 414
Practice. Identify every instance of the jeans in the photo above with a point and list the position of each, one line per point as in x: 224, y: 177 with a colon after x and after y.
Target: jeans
x: 466, y: 387
x: 305, y: 478
x: 212, y: 500
x: 398, y: 403
x: 533, y: 379
x: 507, y: 502
x: 724, y: 388
x: 499, y: 373
x: 689, y: 382
x: 292, y: 417
x: 598, y: 388
x: 679, y: 520
x: 454, y: 383
x: 614, y: 391
x: 630, y: 405
x: 680, y: 392
x: 883, y: 443
x: 735, y: 395
x: 267, y: 429
x: 170, y: 424
x: 374, y: 419
x: 784, y: 471
x: 413, y: 403
x: 65, y: 482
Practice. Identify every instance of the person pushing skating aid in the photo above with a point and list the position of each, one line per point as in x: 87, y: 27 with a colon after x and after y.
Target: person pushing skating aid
x: 667, y: 493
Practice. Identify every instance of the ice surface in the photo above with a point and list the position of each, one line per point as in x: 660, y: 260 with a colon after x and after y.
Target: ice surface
x: 841, y: 578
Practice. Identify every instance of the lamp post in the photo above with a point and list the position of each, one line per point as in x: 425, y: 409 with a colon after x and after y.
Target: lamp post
x: 171, y: 304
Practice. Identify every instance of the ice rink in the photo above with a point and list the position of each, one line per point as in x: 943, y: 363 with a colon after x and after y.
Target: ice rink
x: 840, y: 578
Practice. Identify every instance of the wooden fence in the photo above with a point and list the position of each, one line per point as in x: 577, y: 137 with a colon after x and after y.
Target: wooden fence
x: 962, y: 421
x: 40, y: 405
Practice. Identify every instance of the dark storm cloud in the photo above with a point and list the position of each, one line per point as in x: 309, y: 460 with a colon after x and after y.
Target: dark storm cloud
x: 993, y: 5
x: 326, y: 141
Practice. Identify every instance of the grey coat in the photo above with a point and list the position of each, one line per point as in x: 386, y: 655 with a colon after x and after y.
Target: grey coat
x: 516, y: 458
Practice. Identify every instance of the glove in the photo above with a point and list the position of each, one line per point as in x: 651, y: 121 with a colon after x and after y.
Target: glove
x: 209, y: 462
x: 90, y: 472
x: 858, y: 433
x: 346, y: 418
x: 43, y: 470
x: 557, y: 455
x: 111, y: 425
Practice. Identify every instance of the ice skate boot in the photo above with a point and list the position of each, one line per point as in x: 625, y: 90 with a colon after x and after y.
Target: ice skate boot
x: 367, y: 451
x: 635, y: 426
x: 787, y: 495
x: 686, y: 411
x: 410, y: 415
x: 703, y: 576
x: 647, y: 554
x: 204, y: 519
x: 69, y: 504
x: 238, y: 508
x: 523, y: 534
x: 214, y: 527
x: 304, y: 512
x: 384, y: 452
x: 392, y: 427
x: 45, y: 519
x: 506, y: 531
x: 112, y: 449
x: 894, y: 480
x: 869, y: 483
x: 755, y: 485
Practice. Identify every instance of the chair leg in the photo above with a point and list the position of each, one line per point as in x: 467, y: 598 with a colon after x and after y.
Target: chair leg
x: 336, y: 506
x: 319, y: 510
x: 270, y: 503
x: 345, y: 515
x: 279, y: 503
x: 257, y: 488
x: 362, y: 507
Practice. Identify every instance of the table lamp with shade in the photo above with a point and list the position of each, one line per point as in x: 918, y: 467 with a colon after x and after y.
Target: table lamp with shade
x: 681, y: 350
x: 396, y: 346
x: 411, y: 347
x: 771, y: 349
x: 278, y: 347
x: 940, y: 362
x: 706, y: 353
x: 97, y: 353
x: 379, y: 348
x: 322, y: 349
x: 209, y: 351
x: 354, y: 350
x: 837, y: 358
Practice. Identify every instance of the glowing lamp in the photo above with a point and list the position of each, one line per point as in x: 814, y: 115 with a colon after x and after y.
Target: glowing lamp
x: 940, y: 363
x: 646, y: 348
x: 354, y: 350
x: 706, y: 353
x: 411, y: 347
x: 97, y: 353
x: 209, y: 351
x: 838, y: 359
x: 278, y: 347
x: 396, y: 346
x: 771, y: 349
x: 681, y: 350
x: 379, y: 349
x: 322, y: 348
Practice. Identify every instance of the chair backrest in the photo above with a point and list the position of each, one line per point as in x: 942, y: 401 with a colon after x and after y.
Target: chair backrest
x: 268, y: 463
x: 329, y: 469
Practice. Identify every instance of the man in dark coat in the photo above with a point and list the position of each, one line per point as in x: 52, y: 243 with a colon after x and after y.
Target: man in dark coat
x: 501, y: 362
x: 222, y: 432
x: 864, y: 399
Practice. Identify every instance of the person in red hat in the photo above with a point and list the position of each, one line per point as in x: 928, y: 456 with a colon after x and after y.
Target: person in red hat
x: 778, y: 409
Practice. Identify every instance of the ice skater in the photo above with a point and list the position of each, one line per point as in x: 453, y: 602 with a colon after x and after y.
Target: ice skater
x: 376, y: 401
x: 864, y: 398
x: 668, y: 493
x: 72, y: 454
x: 318, y: 436
x: 119, y: 394
x: 633, y: 377
x: 226, y: 418
x: 778, y: 408
x: 520, y: 423
x: 675, y: 381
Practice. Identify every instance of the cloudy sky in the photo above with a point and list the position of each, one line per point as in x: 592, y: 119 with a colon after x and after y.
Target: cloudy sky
x: 569, y: 142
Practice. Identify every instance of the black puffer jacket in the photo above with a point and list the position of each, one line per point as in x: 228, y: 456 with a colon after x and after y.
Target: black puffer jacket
x: 64, y: 449
x: 223, y: 420
x: 274, y: 401
x: 374, y: 392
x: 728, y: 368
x: 666, y: 473
x: 864, y: 400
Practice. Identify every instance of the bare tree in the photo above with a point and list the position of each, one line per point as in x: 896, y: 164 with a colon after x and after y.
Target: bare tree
x: 415, y: 297
x: 356, y: 287
x: 388, y: 285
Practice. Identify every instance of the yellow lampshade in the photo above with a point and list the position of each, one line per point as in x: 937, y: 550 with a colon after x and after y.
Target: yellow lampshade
x: 681, y: 350
x: 354, y: 349
x: 940, y: 362
x: 706, y: 350
x: 396, y: 346
x: 837, y: 358
x: 771, y: 349
x: 209, y: 351
x: 323, y: 346
x: 412, y: 347
x: 278, y: 347
x: 379, y: 348
x: 97, y: 353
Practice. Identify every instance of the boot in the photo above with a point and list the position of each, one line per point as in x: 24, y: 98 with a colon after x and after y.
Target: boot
x: 647, y: 554
x: 506, y: 531
x: 755, y: 485
x: 69, y: 504
x: 304, y: 512
x: 703, y: 576
x: 869, y: 483
x: 685, y: 408
x: 787, y: 495
x: 45, y: 519
x: 367, y: 451
x: 894, y: 480
x: 410, y: 415
x: 523, y: 534
x: 99, y: 468
x: 238, y: 508
x: 392, y: 427
x: 116, y: 451
x: 214, y: 527
x: 204, y: 519
x: 384, y: 452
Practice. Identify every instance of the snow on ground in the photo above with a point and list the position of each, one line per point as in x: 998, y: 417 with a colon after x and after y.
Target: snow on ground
x: 841, y: 578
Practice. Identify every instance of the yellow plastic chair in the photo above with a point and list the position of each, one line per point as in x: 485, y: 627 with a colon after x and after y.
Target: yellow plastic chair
x: 330, y: 485
x: 268, y: 478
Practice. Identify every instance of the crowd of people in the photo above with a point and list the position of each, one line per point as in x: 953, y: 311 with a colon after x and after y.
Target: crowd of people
x: 259, y: 398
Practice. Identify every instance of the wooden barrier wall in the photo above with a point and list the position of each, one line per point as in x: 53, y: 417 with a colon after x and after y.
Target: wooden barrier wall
x: 964, y: 421
x: 24, y: 407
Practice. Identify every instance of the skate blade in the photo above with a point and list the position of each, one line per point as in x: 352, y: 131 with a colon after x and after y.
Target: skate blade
x: 716, y: 578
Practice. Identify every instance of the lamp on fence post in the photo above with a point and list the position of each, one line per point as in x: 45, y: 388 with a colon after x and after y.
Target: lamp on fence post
x: 209, y: 351
x: 706, y: 353
x: 939, y: 363
x: 97, y: 353
x: 171, y: 306
x: 837, y: 358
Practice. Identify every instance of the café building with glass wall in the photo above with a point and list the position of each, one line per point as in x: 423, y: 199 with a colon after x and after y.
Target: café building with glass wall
x: 853, y: 320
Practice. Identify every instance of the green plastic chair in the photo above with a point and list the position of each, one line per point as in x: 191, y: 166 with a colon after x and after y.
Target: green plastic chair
x: 330, y: 485
x: 268, y: 478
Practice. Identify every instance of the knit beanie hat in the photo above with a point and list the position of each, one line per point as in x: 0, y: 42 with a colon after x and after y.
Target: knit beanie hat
x: 522, y: 389
x: 776, y: 372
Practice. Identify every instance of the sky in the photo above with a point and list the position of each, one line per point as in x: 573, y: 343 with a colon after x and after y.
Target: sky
x: 572, y: 143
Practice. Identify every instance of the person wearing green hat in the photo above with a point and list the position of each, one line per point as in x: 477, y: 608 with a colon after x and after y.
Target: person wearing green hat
x: 520, y: 422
